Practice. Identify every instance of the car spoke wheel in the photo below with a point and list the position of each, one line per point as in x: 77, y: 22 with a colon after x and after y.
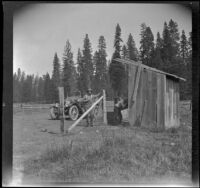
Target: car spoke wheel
x: 73, y: 112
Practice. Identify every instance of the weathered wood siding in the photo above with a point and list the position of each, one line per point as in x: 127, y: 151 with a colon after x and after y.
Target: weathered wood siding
x: 151, y: 107
x: 160, y: 101
x: 131, y: 86
x: 172, y: 102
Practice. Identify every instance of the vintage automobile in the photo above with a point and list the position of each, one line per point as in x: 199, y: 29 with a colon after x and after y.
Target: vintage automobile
x: 73, y: 107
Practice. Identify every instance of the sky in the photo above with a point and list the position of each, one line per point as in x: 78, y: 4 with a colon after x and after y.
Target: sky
x: 42, y: 29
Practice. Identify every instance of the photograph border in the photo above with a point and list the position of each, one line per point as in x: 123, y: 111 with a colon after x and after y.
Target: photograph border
x: 7, y: 79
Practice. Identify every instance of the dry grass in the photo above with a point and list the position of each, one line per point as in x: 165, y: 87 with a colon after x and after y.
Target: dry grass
x: 116, y: 155
x: 117, y: 159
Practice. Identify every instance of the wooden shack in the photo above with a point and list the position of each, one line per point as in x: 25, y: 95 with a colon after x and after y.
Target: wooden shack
x: 153, y: 96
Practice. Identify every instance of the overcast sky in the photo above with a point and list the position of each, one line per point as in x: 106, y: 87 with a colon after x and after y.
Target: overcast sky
x: 41, y: 30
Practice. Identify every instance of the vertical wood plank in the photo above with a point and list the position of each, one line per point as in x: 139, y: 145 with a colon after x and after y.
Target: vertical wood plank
x: 138, y: 101
x: 154, y: 97
x: 158, y: 101
x: 136, y: 83
x: 178, y: 103
x: 145, y: 94
x: 163, y: 100
x: 104, y: 108
x: 149, y: 115
x: 131, y: 86
x: 167, y: 103
x: 61, y: 99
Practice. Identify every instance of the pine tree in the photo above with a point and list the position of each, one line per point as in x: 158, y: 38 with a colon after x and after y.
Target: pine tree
x: 117, y: 69
x: 100, y: 65
x: 56, y: 76
x: 33, y: 94
x: 183, y: 47
x: 124, y: 52
x: 166, y: 50
x: 41, y: 95
x: 80, y: 73
x: 117, y: 45
x: 87, y: 61
x: 35, y: 88
x: 73, y: 79
x: 27, y: 88
x: 157, y: 59
x: 17, y: 86
x: 48, y: 89
x: 147, y: 44
x: 159, y: 42
x: 67, y: 69
x: 174, y: 35
x: 96, y: 79
x: 131, y: 48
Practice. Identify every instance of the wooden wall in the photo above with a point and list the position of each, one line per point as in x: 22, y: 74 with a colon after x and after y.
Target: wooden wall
x: 172, y: 103
x: 156, y: 102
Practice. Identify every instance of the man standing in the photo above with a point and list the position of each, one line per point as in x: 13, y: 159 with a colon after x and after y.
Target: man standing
x: 119, y: 106
x: 90, y: 99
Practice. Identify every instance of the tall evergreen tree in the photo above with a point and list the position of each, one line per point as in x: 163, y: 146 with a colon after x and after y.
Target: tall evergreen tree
x: 80, y: 73
x: 117, y: 41
x: 73, y: 79
x: 41, y: 95
x: 101, y: 65
x: 183, y: 47
x: 67, y: 69
x: 88, y: 64
x: 48, y: 89
x: 35, y: 88
x: 159, y: 42
x: 166, y: 50
x: 56, y: 76
x: 124, y: 52
x: 117, y: 69
x: 27, y: 88
x: 96, y: 79
x: 147, y: 44
x: 17, y: 87
x: 131, y: 48
x: 174, y: 35
x: 157, y: 59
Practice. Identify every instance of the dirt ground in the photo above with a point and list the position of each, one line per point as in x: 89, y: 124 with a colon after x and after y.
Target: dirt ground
x: 34, y: 131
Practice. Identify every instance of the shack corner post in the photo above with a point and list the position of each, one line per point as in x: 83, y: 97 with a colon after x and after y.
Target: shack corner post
x: 61, y: 109
x: 104, y: 108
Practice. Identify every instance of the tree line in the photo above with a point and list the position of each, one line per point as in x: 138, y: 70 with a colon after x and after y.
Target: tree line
x: 170, y: 52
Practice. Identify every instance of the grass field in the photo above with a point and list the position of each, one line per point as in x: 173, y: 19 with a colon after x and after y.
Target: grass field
x: 99, y: 154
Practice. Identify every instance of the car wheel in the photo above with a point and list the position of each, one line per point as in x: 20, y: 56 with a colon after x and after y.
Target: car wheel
x: 54, y: 114
x: 73, y: 112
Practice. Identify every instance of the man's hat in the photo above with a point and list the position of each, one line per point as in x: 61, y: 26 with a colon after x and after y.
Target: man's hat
x: 89, y: 89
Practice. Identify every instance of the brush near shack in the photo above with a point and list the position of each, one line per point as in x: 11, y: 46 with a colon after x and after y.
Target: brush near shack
x: 153, y: 96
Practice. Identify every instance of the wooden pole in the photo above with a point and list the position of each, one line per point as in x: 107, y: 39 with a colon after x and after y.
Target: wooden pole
x: 61, y: 110
x: 104, y: 108
x: 75, y: 123
x: 136, y: 83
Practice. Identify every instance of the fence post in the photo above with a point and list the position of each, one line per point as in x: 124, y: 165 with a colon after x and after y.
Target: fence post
x: 61, y: 109
x: 104, y: 108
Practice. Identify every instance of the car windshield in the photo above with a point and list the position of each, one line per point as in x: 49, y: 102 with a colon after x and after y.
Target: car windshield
x: 73, y: 96
x: 76, y: 93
